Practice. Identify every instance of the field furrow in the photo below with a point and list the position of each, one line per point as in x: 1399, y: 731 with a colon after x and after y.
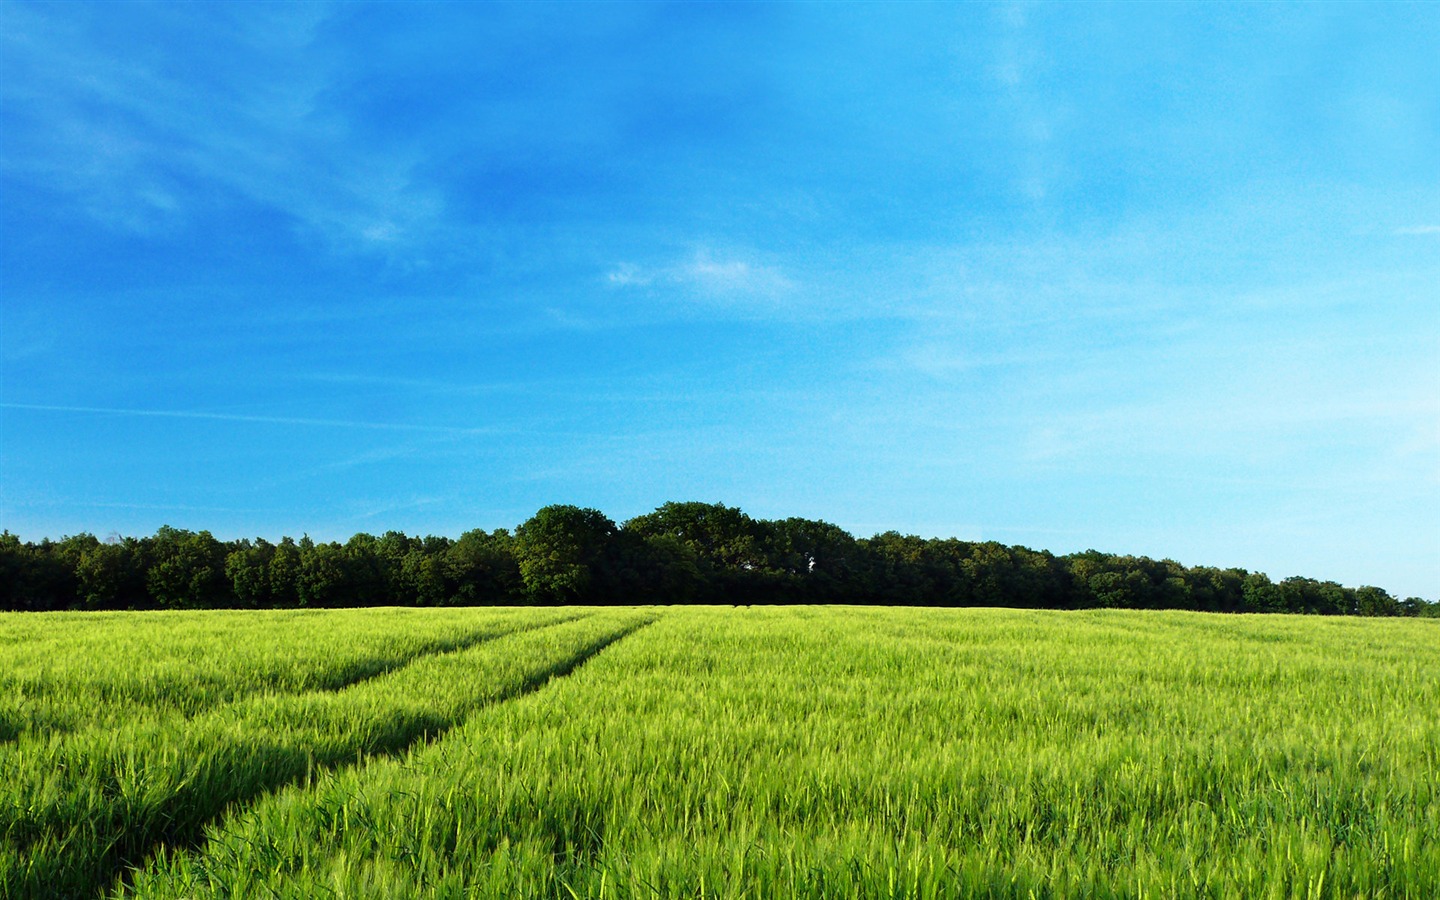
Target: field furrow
x: 75, y: 811
x: 100, y: 670
x: 895, y: 753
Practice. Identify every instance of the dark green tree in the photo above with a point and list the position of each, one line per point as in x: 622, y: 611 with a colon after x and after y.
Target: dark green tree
x: 187, y: 570
x: 808, y: 559
x: 1374, y: 601
x: 1261, y: 594
x: 34, y: 576
x: 370, y: 577
x: 323, y: 578
x: 248, y: 568
x: 657, y: 568
x: 420, y: 580
x: 112, y: 575
x: 284, y: 572
x: 1216, y: 590
x: 720, y: 536
x: 480, y: 568
x: 906, y: 569
x: 560, y: 551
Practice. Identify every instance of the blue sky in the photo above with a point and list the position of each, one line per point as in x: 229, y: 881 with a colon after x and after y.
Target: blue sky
x: 1158, y: 279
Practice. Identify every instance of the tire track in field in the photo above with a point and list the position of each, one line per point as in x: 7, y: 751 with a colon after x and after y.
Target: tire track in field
x: 563, y: 669
x: 120, y: 880
x: 386, y: 666
x: 211, y: 784
x: 212, y: 790
x: 11, y: 729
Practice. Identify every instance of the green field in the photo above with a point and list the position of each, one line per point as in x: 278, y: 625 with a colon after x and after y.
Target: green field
x: 718, y: 752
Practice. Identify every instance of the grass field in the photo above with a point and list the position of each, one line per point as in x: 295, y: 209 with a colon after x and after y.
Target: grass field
x: 718, y: 752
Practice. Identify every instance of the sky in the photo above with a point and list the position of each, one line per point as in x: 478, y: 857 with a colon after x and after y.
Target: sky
x: 1159, y: 279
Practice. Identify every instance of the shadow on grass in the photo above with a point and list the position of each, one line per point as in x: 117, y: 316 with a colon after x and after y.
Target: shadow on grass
x: 68, y: 854
x: 358, y: 672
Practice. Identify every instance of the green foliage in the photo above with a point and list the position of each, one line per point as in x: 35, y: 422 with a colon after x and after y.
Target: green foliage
x: 560, y: 551
x: 481, y: 568
x: 284, y: 572
x: 248, y: 568
x: 187, y: 569
x: 721, y: 537
x: 658, y: 566
x: 1374, y: 601
x: 33, y: 576
x: 680, y: 553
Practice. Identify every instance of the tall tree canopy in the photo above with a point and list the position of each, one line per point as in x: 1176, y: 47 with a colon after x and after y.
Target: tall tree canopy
x: 690, y: 552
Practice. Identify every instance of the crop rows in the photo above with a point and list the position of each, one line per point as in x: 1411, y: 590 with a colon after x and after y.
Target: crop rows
x: 72, y: 670
x: 77, y: 808
x: 796, y: 752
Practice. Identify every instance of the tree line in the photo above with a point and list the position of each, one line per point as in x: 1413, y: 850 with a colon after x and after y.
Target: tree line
x: 680, y: 553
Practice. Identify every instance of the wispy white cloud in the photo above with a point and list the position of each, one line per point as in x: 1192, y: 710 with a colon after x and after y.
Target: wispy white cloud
x: 1018, y: 60
x: 406, y: 384
x: 169, y: 146
x: 630, y: 275
x: 1418, y: 230
x: 258, y: 420
x: 169, y: 507
x: 729, y: 276
x: 361, y: 512
x: 1263, y: 410
x: 939, y: 359
x: 708, y: 274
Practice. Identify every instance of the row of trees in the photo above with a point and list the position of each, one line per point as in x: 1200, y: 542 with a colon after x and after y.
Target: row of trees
x: 680, y: 553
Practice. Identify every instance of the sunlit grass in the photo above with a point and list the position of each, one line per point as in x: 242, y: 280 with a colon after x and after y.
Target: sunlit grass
x: 63, y: 671
x: 76, y: 808
x: 896, y: 753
